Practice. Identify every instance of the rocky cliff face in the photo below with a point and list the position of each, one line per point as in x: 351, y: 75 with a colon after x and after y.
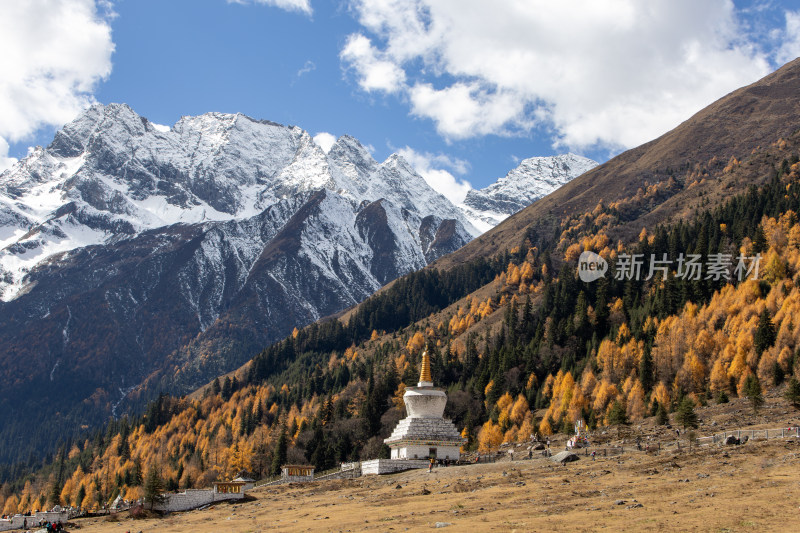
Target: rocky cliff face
x: 133, y: 253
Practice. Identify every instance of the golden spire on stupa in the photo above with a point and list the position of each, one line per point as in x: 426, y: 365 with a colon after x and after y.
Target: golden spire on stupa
x: 425, y: 371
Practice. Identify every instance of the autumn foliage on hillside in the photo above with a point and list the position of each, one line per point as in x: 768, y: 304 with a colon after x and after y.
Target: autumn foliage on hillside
x: 533, y: 351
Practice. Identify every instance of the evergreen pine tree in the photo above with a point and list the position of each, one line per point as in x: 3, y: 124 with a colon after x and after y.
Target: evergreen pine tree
x: 647, y: 369
x: 471, y: 357
x: 778, y: 375
x: 124, y: 449
x: 372, y: 413
x: 752, y: 390
x: 765, y: 333
x: 54, y: 498
x: 227, y: 390
x: 279, y: 455
x: 385, y: 452
x: 617, y: 414
x: 468, y: 429
x: 661, y: 415
x: 685, y: 414
x: 154, y: 487
x: 138, y: 475
x: 760, y: 240
x: 318, y: 448
x: 792, y: 393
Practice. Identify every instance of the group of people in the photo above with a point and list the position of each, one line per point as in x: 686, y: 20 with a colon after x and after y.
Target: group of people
x: 438, y: 462
x: 51, y: 527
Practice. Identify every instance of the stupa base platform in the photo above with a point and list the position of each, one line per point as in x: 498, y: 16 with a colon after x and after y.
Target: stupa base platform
x: 410, y: 450
x: 390, y: 466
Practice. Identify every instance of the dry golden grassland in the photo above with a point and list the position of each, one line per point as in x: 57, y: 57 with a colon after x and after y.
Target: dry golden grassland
x: 753, y: 487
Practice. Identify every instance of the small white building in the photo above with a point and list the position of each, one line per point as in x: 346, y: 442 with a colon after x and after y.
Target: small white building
x: 297, y: 473
x: 424, y: 434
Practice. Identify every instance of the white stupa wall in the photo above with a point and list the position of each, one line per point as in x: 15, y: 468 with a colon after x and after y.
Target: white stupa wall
x: 425, y: 402
x: 451, y: 453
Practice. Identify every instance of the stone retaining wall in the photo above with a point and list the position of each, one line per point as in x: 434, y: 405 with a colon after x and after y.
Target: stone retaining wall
x: 351, y: 473
x: 194, y: 498
x: 31, y: 522
x: 390, y: 466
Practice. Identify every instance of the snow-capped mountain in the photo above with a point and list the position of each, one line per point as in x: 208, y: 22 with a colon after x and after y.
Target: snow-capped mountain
x: 128, y: 246
x: 534, y: 178
x: 111, y: 174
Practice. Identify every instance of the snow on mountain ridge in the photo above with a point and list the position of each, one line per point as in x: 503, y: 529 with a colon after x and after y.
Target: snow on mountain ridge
x: 532, y: 179
x: 117, y: 174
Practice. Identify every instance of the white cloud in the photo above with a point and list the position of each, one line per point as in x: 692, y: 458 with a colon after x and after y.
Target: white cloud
x: 374, y: 72
x: 610, y: 73
x: 308, y: 66
x: 790, y: 38
x: 324, y: 140
x: 303, y: 6
x: 462, y: 110
x: 432, y: 168
x: 5, y: 161
x: 54, y: 52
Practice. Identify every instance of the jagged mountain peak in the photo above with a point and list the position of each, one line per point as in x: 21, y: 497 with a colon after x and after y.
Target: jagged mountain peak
x: 532, y: 179
x: 75, y: 137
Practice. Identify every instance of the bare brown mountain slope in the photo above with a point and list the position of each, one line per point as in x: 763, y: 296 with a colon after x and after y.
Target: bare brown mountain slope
x: 733, y: 126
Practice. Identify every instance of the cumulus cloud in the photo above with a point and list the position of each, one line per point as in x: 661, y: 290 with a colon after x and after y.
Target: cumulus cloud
x: 374, y: 71
x: 324, y: 140
x: 302, y: 6
x: 790, y: 38
x: 610, y: 73
x: 466, y: 110
x: 54, y: 54
x: 433, y: 167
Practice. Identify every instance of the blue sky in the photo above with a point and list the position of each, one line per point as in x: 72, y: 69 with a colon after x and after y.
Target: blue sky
x: 463, y: 88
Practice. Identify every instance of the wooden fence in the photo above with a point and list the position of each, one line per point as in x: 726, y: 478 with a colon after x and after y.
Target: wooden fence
x: 751, y: 434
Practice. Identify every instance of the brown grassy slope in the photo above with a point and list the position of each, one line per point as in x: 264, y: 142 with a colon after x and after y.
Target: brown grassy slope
x: 735, y: 125
x: 753, y: 487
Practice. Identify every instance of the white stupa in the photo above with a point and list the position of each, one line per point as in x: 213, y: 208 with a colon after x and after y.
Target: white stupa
x: 424, y: 433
